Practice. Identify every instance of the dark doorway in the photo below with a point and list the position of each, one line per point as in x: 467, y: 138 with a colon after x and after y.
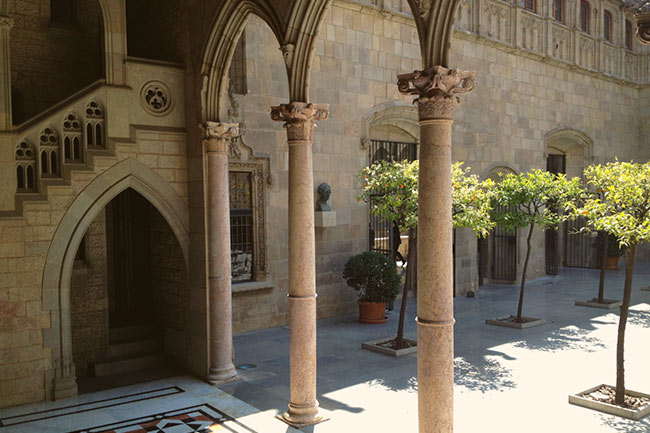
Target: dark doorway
x: 129, y: 270
x: 555, y: 164
x: 504, y: 253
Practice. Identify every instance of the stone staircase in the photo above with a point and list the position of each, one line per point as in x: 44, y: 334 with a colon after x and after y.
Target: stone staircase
x: 131, y: 349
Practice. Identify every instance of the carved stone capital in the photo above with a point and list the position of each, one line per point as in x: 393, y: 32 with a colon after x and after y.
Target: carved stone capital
x: 436, y: 107
x: 643, y: 27
x: 436, y: 89
x: 6, y: 22
x: 300, y: 119
x: 218, y: 136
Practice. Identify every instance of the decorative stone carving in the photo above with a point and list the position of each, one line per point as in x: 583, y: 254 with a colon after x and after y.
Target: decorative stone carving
x: 498, y: 20
x: 72, y: 149
x: 25, y: 151
x: 643, y: 27
x: 95, y: 125
x: 299, y: 119
x: 156, y: 98
x: 436, y: 88
x: 245, y: 161
x: 6, y: 22
x: 218, y: 136
x: 324, y: 193
x: 561, y: 42
x: 25, y: 167
x: 49, y: 152
x: 287, y: 54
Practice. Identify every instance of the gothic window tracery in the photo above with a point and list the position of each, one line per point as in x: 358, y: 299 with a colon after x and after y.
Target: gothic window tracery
x: 25, y: 167
x: 49, y: 152
x: 584, y: 16
x: 530, y: 5
x: 248, y: 177
x: 72, y: 148
x: 607, y: 26
x: 95, y: 126
x: 629, y: 34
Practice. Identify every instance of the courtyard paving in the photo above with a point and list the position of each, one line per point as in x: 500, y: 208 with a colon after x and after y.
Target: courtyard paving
x: 507, y: 380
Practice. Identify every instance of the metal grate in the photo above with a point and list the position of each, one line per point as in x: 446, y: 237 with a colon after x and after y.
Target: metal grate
x: 381, y: 233
x: 504, y: 252
x: 241, y: 226
x: 582, y: 249
x: 555, y: 164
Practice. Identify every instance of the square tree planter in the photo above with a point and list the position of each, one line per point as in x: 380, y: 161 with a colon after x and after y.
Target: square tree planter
x: 593, y: 303
x: 381, y: 346
x: 581, y: 399
x: 509, y: 322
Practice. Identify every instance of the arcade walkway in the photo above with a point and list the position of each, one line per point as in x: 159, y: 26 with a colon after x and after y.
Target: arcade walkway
x: 506, y: 380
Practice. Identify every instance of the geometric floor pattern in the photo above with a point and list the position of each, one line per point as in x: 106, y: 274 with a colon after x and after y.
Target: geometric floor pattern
x: 196, y: 419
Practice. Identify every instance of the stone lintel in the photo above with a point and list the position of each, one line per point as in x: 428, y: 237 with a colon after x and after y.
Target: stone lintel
x: 217, y: 136
x: 299, y: 119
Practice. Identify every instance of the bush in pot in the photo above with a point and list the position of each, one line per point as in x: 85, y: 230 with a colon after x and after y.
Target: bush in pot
x: 375, y: 277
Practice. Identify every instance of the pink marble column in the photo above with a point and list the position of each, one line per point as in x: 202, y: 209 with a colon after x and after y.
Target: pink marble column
x: 217, y: 218
x: 299, y: 120
x: 436, y: 89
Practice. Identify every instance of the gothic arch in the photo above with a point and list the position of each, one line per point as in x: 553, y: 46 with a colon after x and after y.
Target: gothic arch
x: 434, y: 20
x: 220, y: 46
x: 397, y: 114
x: 67, y: 237
x: 574, y: 144
x: 497, y: 169
x: 296, y: 34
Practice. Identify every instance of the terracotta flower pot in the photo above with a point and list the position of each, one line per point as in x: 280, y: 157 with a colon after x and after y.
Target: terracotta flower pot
x: 612, y: 263
x: 372, y: 312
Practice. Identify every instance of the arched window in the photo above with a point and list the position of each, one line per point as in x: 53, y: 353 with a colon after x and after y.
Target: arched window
x: 530, y: 5
x: 607, y: 26
x: 558, y: 10
x: 62, y: 12
x: 629, y: 34
x: 584, y: 16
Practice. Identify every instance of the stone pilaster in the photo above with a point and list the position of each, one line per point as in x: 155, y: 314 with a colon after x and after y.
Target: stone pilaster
x: 436, y: 89
x: 217, y: 138
x: 299, y: 120
x: 5, y: 73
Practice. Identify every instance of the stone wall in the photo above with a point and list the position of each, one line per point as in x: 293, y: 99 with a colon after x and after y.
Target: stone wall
x: 89, y: 298
x: 50, y: 61
x: 168, y: 282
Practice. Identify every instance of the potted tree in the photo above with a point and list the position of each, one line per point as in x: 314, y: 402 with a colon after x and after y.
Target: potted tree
x: 614, y: 251
x: 624, y: 212
x: 525, y: 200
x: 375, y: 278
x: 393, y: 188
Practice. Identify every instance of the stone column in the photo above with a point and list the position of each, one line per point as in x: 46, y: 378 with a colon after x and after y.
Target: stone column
x: 435, y: 89
x: 217, y: 220
x: 299, y: 120
x: 5, y: 73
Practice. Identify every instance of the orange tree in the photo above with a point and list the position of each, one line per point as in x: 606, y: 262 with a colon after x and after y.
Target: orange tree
x: 392, y: 188
x: 621, y: 208
x: 532, y: 199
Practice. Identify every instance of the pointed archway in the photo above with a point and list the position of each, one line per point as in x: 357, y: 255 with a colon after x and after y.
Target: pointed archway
x: 61, y: 379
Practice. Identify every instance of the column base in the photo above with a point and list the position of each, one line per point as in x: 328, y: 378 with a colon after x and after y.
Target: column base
x: 217, y: 376
x: 65, y: 387
x: 300, y: 416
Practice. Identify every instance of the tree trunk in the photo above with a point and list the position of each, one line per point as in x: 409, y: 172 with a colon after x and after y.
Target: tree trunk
x: 411, y: 277
x: 603, y: 265
x: 620, y: 344
x: 520, y: 308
